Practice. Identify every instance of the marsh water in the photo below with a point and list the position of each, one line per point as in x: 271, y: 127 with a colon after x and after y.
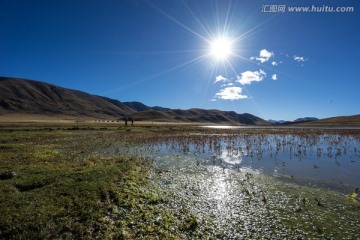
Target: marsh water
x: 329, y: 161
x: 271, y: 185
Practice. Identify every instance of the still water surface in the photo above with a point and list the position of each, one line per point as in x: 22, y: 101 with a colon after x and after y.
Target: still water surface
x: 323, y: 160
x: 265, y: 186
x: 257, y: 185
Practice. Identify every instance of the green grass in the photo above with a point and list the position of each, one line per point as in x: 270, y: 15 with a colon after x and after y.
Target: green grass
x: 64, y: 189
x: 45, y: 202
x: 53, y: 195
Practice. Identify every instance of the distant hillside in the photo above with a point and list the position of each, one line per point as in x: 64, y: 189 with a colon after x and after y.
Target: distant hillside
x: 198, y: 115
x: 305, y: 119
x: 27, y: 96
x: 335, y: 121
x: 20, y: 96
x: 299, y: 120
x: 138, y: 106
x: 276, y: 121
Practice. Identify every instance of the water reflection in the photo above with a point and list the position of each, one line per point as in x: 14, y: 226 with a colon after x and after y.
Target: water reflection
x: 279, y: 127
x: 231, y: 157
x: 327, y: 160
x: 258, y: 186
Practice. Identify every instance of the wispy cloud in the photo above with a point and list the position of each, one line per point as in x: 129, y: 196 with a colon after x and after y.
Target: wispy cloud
x: 299, y: 59
x: 230, y: 93
x: 264, y: 56
x: 274, y: 77
x: 274, y: 63
x: 220, y: 78
x: 248, y: 77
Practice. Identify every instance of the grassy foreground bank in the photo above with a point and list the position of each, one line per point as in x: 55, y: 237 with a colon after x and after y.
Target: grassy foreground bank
x: 54, y: 185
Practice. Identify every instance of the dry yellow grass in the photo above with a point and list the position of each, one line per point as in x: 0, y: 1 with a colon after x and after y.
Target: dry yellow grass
x: 36, y: 119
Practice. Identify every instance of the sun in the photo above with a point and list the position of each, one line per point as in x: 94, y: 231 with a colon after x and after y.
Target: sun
x: 221, y: 48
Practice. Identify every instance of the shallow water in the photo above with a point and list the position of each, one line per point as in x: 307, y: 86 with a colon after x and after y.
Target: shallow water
x: 330, y: 161
x: 280, y: 127
x: 242, y: 204
x: 321, y: 160
x: 251, y: 186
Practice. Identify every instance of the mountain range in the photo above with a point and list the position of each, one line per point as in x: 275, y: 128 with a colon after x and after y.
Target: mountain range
x: 23, y: 96
x: 299, y: 120
x: 28, y: 97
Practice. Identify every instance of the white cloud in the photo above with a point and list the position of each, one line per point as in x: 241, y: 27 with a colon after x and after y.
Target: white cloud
x: 274, y: 77
x: 220, y: 78
x: 248, y: 77
x: 227, y: 85
x: 299, y: 59
x: 230, y: 93
x: 274, y: 63
x: 264, y: 56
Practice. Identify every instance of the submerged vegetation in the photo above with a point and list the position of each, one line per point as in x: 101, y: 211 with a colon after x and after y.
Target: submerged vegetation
x: 175, y: 183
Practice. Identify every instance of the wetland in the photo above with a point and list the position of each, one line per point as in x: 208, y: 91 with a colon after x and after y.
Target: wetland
x: 179, y: 182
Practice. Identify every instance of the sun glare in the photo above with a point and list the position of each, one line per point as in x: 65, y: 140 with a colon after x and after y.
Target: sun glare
x: 221, y: 48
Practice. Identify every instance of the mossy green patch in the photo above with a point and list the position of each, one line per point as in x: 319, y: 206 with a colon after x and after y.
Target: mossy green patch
x: 45, y: 152
x: 65, y: 186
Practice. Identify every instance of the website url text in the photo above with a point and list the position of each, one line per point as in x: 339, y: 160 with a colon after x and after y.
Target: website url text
x: 308, y: 9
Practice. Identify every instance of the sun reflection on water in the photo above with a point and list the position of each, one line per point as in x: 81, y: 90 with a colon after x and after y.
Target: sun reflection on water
x: 254, y: 186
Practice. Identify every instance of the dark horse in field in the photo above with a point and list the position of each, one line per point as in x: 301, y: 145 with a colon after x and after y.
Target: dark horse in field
x: 126, y: 119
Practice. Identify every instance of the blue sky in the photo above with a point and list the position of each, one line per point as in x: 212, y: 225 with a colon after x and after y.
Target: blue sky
x: 281, y: 65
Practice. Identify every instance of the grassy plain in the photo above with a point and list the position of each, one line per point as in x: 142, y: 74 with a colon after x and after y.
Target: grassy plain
x: 64, y: 189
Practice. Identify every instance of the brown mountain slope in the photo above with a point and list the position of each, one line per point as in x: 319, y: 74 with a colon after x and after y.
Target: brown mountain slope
x: 28, y: 97
x: 335, y: 121
x: 198, y: 115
